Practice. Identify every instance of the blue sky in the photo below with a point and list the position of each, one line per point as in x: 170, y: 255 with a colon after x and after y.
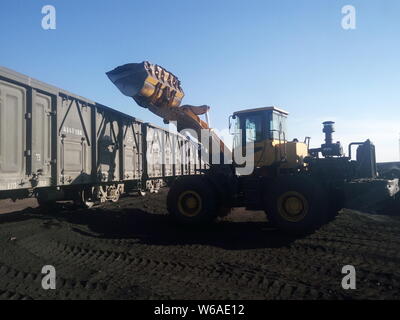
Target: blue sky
x: 230, y: 55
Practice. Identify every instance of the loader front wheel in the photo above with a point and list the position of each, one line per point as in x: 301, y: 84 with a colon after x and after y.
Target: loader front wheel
x: 296, y: 204
x: 192, y: 201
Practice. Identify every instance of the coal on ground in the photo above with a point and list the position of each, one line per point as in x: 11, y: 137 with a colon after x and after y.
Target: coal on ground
x: 131, y: 250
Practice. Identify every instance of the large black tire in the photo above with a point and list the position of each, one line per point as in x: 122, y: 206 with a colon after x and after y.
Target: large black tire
x: 296, y: 204
x: 192, y: 201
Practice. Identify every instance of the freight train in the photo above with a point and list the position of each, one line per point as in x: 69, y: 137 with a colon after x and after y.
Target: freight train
x: 55, y: 145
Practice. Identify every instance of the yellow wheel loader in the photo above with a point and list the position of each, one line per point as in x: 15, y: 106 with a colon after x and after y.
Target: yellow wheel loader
x: 298, y: 187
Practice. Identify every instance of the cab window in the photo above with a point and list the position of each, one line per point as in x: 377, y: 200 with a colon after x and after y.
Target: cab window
x: 278, y: 126
x: 253, y: 128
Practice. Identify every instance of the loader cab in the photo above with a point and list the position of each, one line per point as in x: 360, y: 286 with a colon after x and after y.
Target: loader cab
x: 258, y: 125
x: 266, y: 128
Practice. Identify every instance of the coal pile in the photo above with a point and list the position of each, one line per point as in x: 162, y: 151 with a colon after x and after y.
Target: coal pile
x: 131, y: 250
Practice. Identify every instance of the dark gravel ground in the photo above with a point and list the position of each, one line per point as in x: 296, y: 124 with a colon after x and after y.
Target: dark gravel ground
x: 130, y: 250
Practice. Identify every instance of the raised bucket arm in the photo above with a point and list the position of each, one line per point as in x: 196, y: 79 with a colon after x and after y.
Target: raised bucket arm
x: 158, y: 90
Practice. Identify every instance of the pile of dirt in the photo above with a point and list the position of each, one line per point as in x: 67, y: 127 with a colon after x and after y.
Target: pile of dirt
x: 131, y: 250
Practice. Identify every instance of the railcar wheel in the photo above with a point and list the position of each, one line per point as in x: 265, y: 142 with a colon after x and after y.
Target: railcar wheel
x: 192, y: 201
x: 116, y: 194
x: 86, y: 198
x: 141, y: 193
x: 296, y: 204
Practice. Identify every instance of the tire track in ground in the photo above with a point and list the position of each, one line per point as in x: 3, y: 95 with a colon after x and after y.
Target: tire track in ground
x: 129, y: 250
x: 220, y: 274
x: 11, y: 295
x: 31, y: 283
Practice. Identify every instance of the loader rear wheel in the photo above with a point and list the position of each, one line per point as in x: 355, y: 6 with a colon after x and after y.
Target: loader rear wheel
x: 192, y: 201
x: 296, y: 204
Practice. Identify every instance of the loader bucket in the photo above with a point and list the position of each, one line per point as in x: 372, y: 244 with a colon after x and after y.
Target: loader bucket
x: 158, y: 90
x: 148, y: 84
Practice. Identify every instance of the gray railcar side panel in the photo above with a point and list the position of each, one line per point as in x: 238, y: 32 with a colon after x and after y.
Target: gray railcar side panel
x: 107, y: 137
x: 50, y: 137
x: 154, y: 156
x: 75, y: 141
x: 169, y: 140
x: 12, y: 136
x: 133, y: 150
x: 41, y: 137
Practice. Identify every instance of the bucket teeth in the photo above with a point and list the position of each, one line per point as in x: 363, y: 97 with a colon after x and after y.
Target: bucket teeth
x: 148, y: 84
